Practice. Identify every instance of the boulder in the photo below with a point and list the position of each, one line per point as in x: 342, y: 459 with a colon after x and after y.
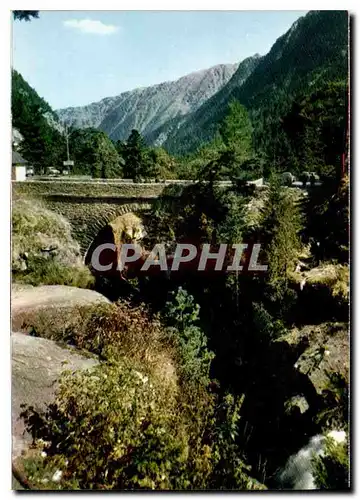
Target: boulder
x: 36, y: 366
x: 27, y: 299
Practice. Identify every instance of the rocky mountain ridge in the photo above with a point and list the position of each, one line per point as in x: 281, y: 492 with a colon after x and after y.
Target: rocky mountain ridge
x: 146, y: 109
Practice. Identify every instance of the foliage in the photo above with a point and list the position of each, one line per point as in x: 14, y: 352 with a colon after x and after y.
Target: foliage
x: 235, y: 130
x: 134, y: 153
x: 316, y: 127
x: 266, y: 327
x: 25, y: 15
x: 163, y: 165
x: 131, y: 440
x: 230, y: 470
x: 42, y: 271
x: 180, y: 429
x: 141, y: 161
x: 94, y: 154
x: 328, y: 220
x: 183, y: 314
x: 126, y: 424
x: 229, y: 156
x: 42, y: 144
x: 335, y: 411
x: 331, y: 469
x: 280, y: 228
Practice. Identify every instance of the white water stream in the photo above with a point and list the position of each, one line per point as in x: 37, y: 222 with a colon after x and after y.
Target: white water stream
x: 297, y: 473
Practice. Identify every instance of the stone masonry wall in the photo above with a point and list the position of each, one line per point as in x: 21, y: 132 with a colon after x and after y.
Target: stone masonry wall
x: 89, y: 206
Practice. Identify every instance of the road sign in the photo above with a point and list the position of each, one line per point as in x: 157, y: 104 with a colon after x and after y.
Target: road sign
x: 68, y: 163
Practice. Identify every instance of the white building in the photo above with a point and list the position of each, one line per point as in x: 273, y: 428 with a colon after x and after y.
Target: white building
x: 18, y: 167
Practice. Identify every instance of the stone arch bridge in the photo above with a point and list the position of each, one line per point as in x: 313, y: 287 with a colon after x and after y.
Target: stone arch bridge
x: 90, y: 205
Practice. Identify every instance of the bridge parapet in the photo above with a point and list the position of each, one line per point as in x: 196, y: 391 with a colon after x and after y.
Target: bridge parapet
x: 88, y: 189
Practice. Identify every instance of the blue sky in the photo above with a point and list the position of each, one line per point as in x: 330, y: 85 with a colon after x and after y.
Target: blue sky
x: 74, y: 58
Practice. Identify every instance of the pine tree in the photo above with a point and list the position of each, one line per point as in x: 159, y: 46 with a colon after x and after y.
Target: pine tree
x: 280, y: 235
x: 94, y: 154
x: 136, y: 157
x: 236, y: 130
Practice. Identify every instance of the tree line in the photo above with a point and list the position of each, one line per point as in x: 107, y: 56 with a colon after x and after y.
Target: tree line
x: 43, y: 143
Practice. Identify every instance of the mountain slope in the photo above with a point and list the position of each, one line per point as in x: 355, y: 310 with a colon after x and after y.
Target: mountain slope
x: 219, y: 100
x: 148, y: 108
x: 312, y: 51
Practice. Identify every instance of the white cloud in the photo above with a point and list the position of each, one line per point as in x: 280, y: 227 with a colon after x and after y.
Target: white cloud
x: 91, y: 26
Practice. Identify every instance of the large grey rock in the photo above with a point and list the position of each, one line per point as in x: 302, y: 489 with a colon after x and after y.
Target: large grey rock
x: 36, y: 366
x: 59, y: 295
x: 26, y: 300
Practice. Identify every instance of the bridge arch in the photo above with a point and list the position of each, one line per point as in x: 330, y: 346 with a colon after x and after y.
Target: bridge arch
x: 89, y: 230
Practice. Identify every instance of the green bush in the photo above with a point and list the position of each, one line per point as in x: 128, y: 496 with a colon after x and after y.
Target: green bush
x: 109, y: 331
x: 112, y: 428
x: 331, y: 470
x: 182, y: 314
x: 335, y: 411
x: 116, y: 427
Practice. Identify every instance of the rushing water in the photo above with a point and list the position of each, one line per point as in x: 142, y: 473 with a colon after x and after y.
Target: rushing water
x: 297, y: 473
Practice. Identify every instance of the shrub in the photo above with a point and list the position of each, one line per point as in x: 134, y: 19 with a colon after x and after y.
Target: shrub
x: 116, y: 427
x: 335, y: 396
x: 266, y: 327
x: 109, y: 331
x: 331, y: 469
x: 138, y: 420
x: 112, y: 428
x: 182, y: 314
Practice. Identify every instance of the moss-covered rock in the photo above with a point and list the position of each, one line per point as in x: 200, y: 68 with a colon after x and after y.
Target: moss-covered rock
x: 43, y: 250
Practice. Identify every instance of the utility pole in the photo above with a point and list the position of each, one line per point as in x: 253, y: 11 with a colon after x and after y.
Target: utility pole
x: 68, y: 163
x: 67, y: 142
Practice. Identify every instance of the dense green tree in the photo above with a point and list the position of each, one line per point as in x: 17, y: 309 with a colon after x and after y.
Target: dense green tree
x: 236, y: 130
x: 42, y: 145
x: 280, y: 236
x: 94, y: 154
x: 316, y: 127
x: 25, y: 15
x: 163, y: 166
x: 135, y: 154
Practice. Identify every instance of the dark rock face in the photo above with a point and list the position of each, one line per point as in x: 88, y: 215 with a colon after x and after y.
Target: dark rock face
x: 36, y: 366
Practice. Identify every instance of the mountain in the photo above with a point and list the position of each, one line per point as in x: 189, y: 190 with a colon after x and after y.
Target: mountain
x: 146, y: 109
x: 314, y: 50
x: 169, y: 129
